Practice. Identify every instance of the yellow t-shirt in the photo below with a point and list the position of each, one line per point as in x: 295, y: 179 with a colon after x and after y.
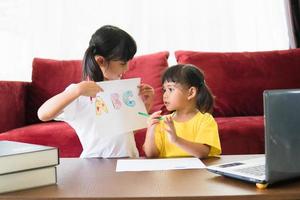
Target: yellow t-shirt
x: 202, y: 128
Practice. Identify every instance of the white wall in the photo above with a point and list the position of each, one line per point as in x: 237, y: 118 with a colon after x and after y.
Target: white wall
x: 61, y: 29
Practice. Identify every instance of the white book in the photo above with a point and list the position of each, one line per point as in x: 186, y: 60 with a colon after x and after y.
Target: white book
x: 27, y: 179
x: 18, y: 156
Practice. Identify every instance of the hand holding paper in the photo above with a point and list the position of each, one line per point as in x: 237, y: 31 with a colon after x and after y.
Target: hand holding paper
x: 147, y: 94
x: 116, y: 107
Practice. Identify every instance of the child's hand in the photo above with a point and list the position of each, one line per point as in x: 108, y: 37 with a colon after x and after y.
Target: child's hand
x: 170, y: 129
x: 88, y: 88
x: 154, y: 118
x: 147, y: 94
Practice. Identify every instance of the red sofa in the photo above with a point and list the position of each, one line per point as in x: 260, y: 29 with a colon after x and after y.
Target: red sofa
x: 236, y: 79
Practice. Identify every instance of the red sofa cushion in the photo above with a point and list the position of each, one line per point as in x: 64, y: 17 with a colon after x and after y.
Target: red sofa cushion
x: 12, y: 104
x: 238, y: 79
x: 56, y: 134
x: 50, y: 77
x: 241, y: 135
x: 139, y: 137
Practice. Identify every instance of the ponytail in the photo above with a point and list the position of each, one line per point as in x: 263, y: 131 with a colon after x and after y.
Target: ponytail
x: 205, y: 99
x: 90, y: 68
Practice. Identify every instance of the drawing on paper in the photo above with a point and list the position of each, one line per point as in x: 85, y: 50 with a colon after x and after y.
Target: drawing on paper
x: 127, y: 98
x: 100, y: 106
x: 115, y: 99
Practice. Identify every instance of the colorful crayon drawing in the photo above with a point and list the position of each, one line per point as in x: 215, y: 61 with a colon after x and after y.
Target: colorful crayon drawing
x: 100, y: 106
x: 115, y: 109
x: 115, y: 98
x: 127, y: 98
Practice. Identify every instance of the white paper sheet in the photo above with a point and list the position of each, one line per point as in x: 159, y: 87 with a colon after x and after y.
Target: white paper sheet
x: 115, y: 110
x: 158, y: 164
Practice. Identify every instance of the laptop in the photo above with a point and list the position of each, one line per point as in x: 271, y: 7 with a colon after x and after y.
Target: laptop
x: 281, y: 160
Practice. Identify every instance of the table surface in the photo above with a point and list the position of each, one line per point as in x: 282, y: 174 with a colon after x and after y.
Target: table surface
x: 98, y: 179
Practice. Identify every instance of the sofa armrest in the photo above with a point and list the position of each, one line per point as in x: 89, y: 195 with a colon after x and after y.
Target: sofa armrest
x: 13, y: 95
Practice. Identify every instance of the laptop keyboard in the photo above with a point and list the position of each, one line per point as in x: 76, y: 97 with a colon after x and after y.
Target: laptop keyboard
x: 258, y: 170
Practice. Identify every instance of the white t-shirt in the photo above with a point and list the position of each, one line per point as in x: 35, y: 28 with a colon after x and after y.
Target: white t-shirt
x: 77, y: 115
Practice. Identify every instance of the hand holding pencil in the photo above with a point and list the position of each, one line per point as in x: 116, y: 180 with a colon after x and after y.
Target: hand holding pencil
x: 153, y: 119
x: 147, y: 115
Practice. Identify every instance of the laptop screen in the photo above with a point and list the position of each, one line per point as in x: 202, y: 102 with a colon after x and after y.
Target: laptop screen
x: 282, y: 134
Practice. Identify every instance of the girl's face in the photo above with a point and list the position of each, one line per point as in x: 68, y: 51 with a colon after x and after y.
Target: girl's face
x: 113, y: 70
x: 175, y: 96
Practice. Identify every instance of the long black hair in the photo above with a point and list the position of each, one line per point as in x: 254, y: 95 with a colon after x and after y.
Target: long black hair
x: 110, y: 42
x: 191, y: 76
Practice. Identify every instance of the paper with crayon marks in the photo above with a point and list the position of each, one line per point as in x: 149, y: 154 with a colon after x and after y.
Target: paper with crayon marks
x: 116, y: 108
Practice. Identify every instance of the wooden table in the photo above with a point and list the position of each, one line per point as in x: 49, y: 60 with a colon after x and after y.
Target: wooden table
x: 97, y: 179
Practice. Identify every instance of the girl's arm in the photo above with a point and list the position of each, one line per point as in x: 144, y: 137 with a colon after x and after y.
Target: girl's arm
x: 149, y: 146
x: 55, y: 105
x: 196, y: 149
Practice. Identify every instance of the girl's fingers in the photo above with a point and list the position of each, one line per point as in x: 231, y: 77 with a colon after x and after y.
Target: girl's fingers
x: 143, y: 88
x: 152, y: 122
x: 100, y: 89
x: 170, y: 124
x: 167, y: 129
x: 153, y: 119
x: 168, y: 119
x: 156, y: 114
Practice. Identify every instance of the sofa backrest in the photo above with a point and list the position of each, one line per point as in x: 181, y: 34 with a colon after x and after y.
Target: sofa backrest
x: 238, y: 80
x: 50, y: 77
x: 13, y: 95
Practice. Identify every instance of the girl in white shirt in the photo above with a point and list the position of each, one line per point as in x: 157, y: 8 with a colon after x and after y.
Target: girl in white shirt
x: 106, y: 58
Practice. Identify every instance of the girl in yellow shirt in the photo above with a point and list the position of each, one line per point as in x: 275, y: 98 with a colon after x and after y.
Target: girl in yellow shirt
x: 191, y: 129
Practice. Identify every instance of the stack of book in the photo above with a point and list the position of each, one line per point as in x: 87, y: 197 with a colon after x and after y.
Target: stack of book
x: 24, y: 166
